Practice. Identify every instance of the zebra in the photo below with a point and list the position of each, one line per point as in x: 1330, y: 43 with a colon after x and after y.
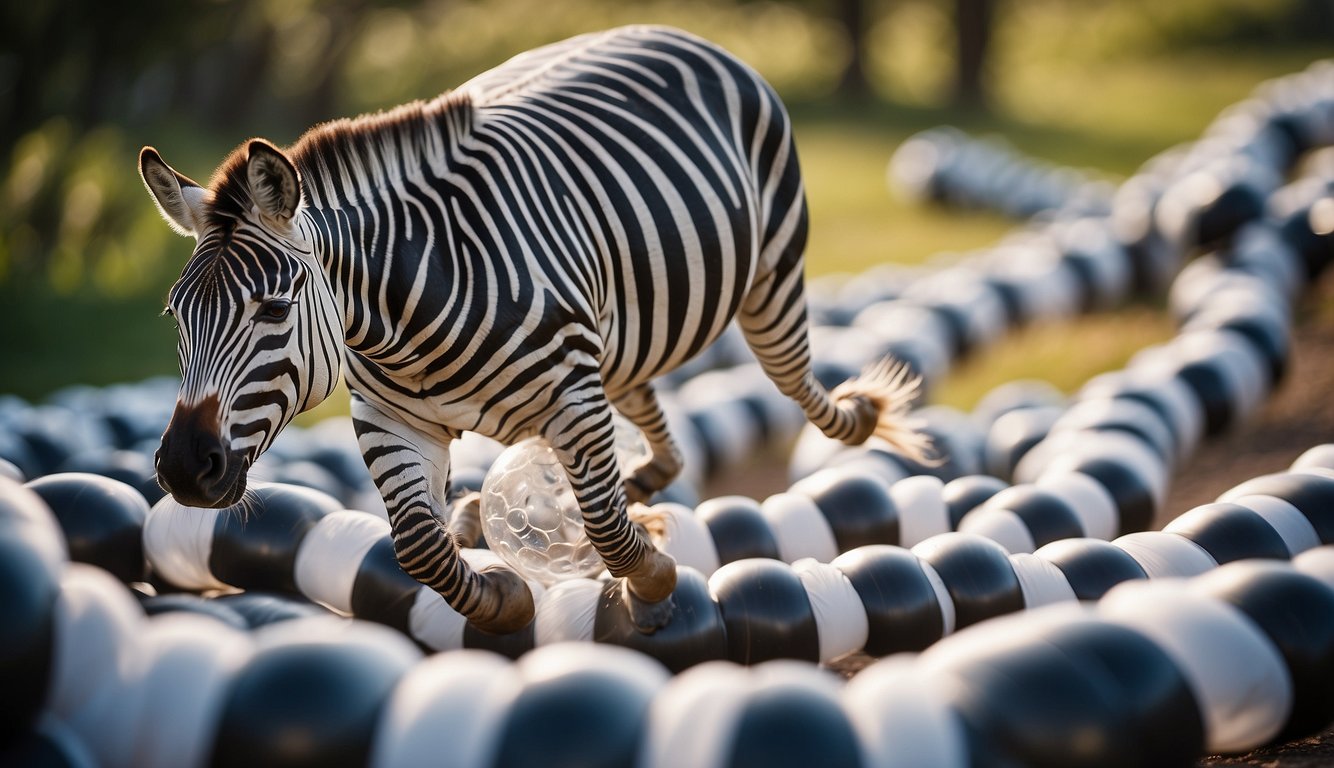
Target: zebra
x: 519, y: 256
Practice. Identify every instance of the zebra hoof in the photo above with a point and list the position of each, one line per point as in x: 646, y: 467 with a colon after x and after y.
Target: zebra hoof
x: 647, y: 617
x: 648, y: 592
x: 509, y: 604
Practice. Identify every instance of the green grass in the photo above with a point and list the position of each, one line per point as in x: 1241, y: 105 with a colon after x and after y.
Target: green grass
x: 855, y: 220
x: 1065, y: 354
x: 1108, y: 117
x: 49, y: 341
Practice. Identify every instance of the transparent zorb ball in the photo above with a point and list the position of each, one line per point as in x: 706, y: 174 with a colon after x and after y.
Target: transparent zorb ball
x: 530, y: 517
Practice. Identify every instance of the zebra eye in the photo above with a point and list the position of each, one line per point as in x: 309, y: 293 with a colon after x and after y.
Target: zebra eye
x: 274, y: 310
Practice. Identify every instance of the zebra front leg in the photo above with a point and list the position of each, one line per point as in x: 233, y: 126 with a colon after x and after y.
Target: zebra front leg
x: 584, y: 439
x: 411, y: 471
x: 640, y: 406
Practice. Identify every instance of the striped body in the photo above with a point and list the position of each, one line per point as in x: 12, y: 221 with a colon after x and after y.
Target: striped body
x: 517, y: 257
x: 604, y: 202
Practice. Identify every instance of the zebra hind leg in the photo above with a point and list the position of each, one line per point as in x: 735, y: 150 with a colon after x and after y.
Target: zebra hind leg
x: 466, y: 521
x: 640, y: 406
x: 584, y: 439
x: 773, y: 320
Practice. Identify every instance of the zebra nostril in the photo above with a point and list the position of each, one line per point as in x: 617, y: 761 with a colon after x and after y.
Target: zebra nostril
x: 213, y: 466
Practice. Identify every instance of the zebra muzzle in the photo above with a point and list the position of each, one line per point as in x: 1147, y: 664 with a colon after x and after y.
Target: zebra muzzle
x: 193, y: 463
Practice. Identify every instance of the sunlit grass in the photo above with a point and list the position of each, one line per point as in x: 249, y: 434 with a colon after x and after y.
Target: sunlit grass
x: 1110, y: 118
x: 1151, y: 102
x: 1107, y: 117
x: 1065, y: 354
x: 856, y: 220
x: 47, y: 342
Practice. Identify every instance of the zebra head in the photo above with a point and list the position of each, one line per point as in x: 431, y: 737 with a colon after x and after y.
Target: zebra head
x: 260, y: 334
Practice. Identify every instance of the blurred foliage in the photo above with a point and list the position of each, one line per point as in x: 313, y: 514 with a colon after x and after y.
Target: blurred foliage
x: 84, y: 84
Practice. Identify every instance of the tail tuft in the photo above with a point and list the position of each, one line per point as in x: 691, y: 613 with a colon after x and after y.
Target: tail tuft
x: 654, y: 523
x: 880, y: 399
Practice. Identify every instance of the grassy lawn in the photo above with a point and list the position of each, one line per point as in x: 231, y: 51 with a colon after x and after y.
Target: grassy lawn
x: 1066, y: 354
x: 1108, y: 117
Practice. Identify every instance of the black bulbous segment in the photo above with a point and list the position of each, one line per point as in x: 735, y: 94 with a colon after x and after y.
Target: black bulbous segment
x: 977, y: 574
x: 695, y: 634
x: 102, y: 520
x: 738, y: 529
x: 766, y: 612
x: 902, y: 609
x: 1296, y: 613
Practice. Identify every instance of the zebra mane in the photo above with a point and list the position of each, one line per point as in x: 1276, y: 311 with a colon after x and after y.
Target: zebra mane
x: 373, y: 146
x: 377, y: 147
x: 228, y: 191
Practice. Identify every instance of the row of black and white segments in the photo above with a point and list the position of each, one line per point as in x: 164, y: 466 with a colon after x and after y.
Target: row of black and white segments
x: 1228, y: 644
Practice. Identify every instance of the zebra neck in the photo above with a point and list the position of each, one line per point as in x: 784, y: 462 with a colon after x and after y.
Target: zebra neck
x: 353, y: 259
x: 355, y: 176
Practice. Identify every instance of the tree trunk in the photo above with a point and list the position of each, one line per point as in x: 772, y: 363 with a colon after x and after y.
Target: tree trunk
x: 851, y: 15
x: 972, y: 28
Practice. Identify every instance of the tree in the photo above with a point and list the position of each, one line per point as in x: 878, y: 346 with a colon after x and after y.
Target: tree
x: 973, y: 22
x: 852, y: 16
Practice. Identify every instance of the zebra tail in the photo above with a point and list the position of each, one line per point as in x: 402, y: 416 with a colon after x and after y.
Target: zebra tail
x: 654, y: 523
x: 880, y: 399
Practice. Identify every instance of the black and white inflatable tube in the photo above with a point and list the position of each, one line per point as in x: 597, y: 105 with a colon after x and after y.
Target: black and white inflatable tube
x: 1156, y: 672
x: 875, y: 597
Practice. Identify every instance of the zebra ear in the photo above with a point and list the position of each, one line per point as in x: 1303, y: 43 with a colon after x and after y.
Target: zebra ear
x: 179, y: 198
x: 275, y: 185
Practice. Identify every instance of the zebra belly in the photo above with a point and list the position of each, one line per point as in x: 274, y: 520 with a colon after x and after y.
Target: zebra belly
x: 618, y: 379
